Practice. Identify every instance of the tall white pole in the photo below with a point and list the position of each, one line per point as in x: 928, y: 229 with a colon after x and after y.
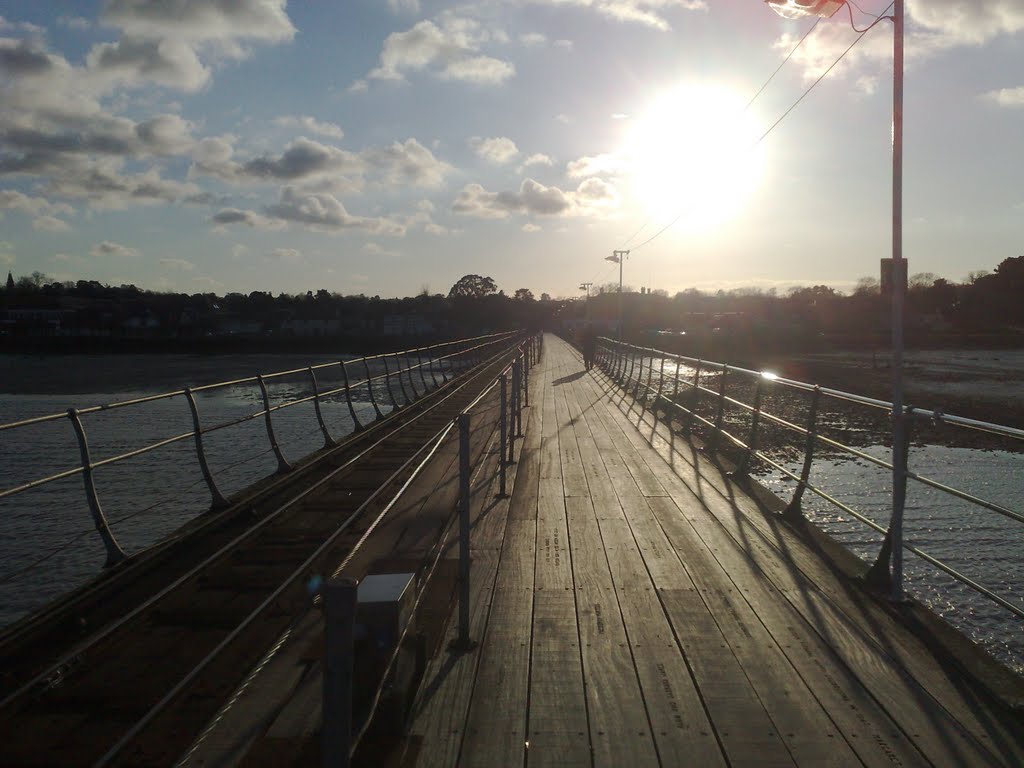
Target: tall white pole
x: 899, y: 478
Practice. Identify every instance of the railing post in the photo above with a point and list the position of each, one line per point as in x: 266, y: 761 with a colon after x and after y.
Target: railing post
x: 632, y: 365
x: 217, y: 498
x: 650, y: 375
x: 419, y: 360
x: 620, y: 363
x: 794, y: 511
x: 387, y: 383
x: 502, y: 491
x: 282, y: 463
x: 340, y: 600
x: 357, y: 425
x: 694, y: 397
x: 526, y: 378
x: 661, y: 385
x: 401, y: 384
x: 886, y: 574
x: 430, y: 366
x: 755, y: 421
x: 114, y: 552
x: 329, y: 442
x: 463, y: 643
x: 369, y: 389
x: 639, y: 376
x: 720, y: 415
x: 441, y: 360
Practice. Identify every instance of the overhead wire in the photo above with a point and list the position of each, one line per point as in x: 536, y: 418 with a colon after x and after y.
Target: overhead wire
x: 748, y: 105
x: 785, y: 114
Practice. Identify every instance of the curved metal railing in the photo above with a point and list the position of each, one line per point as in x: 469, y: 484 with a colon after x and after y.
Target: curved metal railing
x: 413, y: 373
x: 713, y: 393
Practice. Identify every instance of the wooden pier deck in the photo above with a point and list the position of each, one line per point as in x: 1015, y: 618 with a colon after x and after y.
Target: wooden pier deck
x: 634, y: 608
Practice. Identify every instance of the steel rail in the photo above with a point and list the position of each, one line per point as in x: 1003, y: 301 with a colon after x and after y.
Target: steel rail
x: 155, y: 710
x: 271, y: 516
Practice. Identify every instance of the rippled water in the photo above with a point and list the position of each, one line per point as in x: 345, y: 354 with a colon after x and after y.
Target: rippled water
x: 49, y: 546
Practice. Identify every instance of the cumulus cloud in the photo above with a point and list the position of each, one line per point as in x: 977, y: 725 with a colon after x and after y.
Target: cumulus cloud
x: 1007, y: 97
x: 312, y: 125
x: 228, y: 216
x: 451, y: 51
x: 534, y: 199
x: 307, y: 161
x: 498, y: 150
x: 50, y: 224
x: 109, y: 248
x: 289, y: 255
x: 934, y: 26
x: 326, y: 213
x: 604, y: 164
x: 202, y: 20
x: 650, y: 13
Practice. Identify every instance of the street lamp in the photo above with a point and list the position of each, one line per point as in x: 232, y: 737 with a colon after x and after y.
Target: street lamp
x: 825, y: 8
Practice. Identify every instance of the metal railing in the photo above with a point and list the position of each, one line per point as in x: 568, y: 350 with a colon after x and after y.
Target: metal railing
x: 338, y: 741
x: 341, y: 736
x: 712, y: 396
x: 411, y: 374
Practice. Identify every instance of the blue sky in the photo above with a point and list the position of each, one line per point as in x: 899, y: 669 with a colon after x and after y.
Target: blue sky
x: 387, y: 146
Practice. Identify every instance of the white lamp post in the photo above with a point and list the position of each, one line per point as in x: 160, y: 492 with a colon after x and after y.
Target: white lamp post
x: 826, y: 8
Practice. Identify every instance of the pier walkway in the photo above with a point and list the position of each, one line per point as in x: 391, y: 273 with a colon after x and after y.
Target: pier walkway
x: 634, y: 607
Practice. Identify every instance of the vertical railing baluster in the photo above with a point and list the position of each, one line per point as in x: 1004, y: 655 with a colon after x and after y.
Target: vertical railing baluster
x: 503, y: 421
x: 720, y: 414
x: 443, y: 359
x: 650, y: 374
x: 744, y: 466
x: 632, y: 364
x: 356, y: 424
x: 369, y: 389
x: 329, y: 442
x: 694, y: 398
x: 282, y: 463
x: 217, y: 498
x: 526, y: 378
x: 430, y: 366
x: 661, y: 385
x: 387, y: 383
x: 794, y: 510
x: 419, y: 360
x: 412, y: 382
x: 114, y: 552
x: 401, y: 384
x: 639, y: 375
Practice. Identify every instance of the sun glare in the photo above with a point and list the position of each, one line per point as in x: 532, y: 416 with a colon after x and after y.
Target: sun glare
x: 690, y: 152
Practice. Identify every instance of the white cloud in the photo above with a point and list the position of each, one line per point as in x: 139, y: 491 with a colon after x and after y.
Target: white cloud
x: 50, y: 224
x: 324, y: 212
x: 530, y: 228
x: 288, y: 255
x: 498, y: 150
x: 583, y: 167
x: 450, y: 52
x: 202, y: 20
x: 228, y: 216
x: 13, y: 200
x: 535, y: 199
x: 650, y: 13
x: 1007, y: 97
x: 537, y: 159
x: 109, y: 248
x: 311, y: 124
x: 531, y: 39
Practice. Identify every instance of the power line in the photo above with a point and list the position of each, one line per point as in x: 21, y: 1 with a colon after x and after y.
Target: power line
x: 785, y: 114
x: 753, y: 98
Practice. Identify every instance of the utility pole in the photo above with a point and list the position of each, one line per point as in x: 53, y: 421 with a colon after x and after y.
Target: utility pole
x: 618, y: 257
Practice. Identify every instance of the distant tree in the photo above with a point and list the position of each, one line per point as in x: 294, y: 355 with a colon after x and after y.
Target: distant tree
x: 10, y: 281
x: 545, y: 297
x: 867, y: 286
x: 523, y: 294
x: 472, y: 287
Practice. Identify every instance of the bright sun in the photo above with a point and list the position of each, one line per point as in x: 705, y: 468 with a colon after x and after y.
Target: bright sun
x: 690, y: 152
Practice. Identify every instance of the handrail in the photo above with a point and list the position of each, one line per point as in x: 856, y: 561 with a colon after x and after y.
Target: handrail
x: 442, y: 355
x: 620, y: 360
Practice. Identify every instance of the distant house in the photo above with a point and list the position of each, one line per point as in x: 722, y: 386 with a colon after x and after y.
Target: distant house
x: 35, y: 321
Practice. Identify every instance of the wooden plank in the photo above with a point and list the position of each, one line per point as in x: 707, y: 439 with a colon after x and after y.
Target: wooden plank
x: 558, y: 731
x: 619, y: 728
x: 554, y: 567
x: 917, y: 713
x: 439, y: 712
x: 574, y: 478
x: 496, y: 723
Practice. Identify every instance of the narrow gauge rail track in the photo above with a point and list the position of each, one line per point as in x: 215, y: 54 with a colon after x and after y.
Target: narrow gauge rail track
x: 71, y: 694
